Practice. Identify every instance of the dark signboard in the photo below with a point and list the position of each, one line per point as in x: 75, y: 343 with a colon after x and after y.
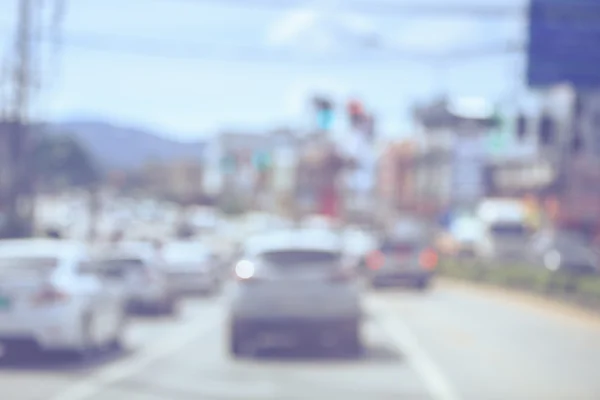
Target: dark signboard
x: 564, y: 43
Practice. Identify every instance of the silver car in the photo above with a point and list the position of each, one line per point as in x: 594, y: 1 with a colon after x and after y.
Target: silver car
x: 190, y: 267
x: 563, y: 252
x: 292, y: 288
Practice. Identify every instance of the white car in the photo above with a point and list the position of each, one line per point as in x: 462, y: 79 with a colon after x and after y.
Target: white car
x: 293, y: 288
x: 140, y: 276
x: 204, y: 219
x: 52, y: 298
x: 190, y: 268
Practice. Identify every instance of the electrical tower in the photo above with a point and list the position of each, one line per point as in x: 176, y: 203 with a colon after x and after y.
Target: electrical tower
x: 25, y: 66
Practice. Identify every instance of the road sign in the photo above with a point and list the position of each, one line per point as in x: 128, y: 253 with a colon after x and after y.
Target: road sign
x: 498, y: 136
x: 261, y: 160
x: 229, y: 163
x: 325, y: 114
x: 563, y: 43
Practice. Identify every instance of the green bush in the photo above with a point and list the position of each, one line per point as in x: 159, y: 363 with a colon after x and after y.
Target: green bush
x: 584, y: 289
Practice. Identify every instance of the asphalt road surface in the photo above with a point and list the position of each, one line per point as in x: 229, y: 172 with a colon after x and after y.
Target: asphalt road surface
x: 452, y: 343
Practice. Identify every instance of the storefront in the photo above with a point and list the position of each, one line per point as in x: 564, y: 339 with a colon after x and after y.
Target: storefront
x: 521, y: 178
x: 579, y: 201
x: 570, y: 199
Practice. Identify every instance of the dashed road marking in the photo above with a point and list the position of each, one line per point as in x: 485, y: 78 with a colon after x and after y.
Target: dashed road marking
x: 406, y: 342
x: 98, y: 382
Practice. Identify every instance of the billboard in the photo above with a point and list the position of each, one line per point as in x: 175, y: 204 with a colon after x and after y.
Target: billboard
x: 563, y: 43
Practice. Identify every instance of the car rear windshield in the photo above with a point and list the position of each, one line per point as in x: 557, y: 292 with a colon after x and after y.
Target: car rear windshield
x: 508, y: 230
x: 183, y: 254
x: 398, y: 247
x: 297, y: 257
x: 42, y: 265
x: 122, y: 264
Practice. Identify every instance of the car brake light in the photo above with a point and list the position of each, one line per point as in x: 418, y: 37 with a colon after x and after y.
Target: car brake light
x: 428, y: 259
x: 375, y: 260
x: 49, y: 295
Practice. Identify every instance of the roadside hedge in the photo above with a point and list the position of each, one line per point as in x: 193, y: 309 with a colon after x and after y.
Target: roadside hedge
x: 583, y: 290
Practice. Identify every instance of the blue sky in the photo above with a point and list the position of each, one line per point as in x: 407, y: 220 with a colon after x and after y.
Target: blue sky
x: 252, y: 68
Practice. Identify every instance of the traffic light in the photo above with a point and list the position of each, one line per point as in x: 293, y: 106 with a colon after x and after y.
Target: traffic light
x: 521, y: 127
x: 356, y: 113
x: 370, y: 127
x: 547, y: 130
x: 324, y: 109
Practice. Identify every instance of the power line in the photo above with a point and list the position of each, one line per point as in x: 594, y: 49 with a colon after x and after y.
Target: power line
x: 394, y: 9
x: 491, y: 49
x: 153, y: 48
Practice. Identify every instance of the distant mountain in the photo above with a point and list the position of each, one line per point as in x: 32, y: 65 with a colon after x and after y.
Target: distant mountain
x: 127, y: 148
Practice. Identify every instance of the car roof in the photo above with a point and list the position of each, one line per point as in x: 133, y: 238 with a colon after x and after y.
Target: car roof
x: 185, y: 250
x: 294, y: 239
x: 118, y: 255
x: 187, y: 244
x: 129, y: 250
x: 40, y: 248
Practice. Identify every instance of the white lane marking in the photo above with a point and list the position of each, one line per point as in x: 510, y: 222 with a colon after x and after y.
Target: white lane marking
x: 98, y: 382
x: 229, y: 390
x: 437, y: 384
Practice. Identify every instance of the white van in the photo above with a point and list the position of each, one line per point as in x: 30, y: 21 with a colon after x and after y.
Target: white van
x: 504, y: 231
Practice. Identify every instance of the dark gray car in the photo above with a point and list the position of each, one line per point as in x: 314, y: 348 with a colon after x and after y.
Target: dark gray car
x: 402, y: 261
x: 564, y: 252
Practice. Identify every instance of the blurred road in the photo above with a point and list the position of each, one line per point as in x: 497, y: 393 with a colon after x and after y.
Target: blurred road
x: 449, y: 344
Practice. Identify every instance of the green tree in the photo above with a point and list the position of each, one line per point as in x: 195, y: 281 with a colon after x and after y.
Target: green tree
x: 60, y: 160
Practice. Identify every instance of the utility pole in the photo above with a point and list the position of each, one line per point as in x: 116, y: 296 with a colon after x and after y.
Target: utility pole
x: 23, y: 72
x: 18, y: 212
x: 23, y: 62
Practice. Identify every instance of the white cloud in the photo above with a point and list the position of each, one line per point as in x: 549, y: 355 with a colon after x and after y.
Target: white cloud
x: 320, y: 29
x: 291, y: 26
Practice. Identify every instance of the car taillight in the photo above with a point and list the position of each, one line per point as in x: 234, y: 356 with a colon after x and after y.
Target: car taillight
x: 428, y: 259
x: 49, y: 295
x: 375, y: 260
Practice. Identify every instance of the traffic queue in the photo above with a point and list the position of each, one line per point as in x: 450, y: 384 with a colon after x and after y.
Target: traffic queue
x: 65, y: 296
x: 285, y: 284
